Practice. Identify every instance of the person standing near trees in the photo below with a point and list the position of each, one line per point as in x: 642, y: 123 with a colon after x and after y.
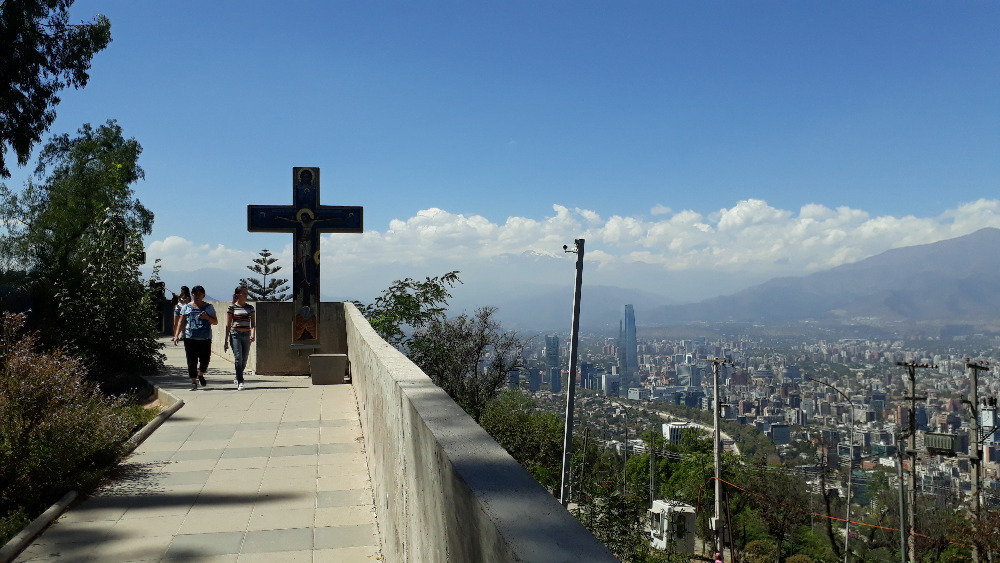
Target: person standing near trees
x: 241, y: 327
x: 183, y: 299
x: 196, y: 320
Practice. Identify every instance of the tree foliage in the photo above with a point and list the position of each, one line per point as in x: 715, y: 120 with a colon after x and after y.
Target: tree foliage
x: 77, y: 233
x: 40, y: 54
x: 409, y: 303
x: 778, y: 498
x: 532, y: 437
x: 82, y: 179
x: 260, y: 289
x: 470, y: 357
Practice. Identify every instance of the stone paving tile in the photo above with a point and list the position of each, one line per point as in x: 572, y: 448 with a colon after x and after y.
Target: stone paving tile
x: 304, y: 556
x: 185, y: 546
x: 293, y: 460
x: 345, y: 515
x: 143, y: 548
x: 341, y: 482
x: 347, y: 497
x: 270, y: 541
x: 147, y: 527
x: 330, y: 537
x: 279, y: 451
x: 353, y: 447
x: 348, y: 554
x: 268, y: 518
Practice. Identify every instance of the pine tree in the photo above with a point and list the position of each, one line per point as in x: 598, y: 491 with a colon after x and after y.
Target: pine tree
x: 260, y: 289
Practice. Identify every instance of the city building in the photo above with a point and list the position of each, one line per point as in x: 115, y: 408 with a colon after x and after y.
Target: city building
x: 555, y: 380
x: 628, y: 349
x: 552, y: 352
x: 674, y: 431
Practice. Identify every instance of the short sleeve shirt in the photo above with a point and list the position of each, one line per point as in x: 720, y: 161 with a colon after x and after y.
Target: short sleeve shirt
x: 242, y: 316
x: 195, y: 328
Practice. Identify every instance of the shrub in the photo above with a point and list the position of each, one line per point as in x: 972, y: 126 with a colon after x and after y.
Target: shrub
x: 760, y: 551
x: 57, y: 430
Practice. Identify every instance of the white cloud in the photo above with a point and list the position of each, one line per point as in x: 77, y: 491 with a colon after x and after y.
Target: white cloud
x: 659, y: 210
x: 683, y: 253
x: 179, y: 254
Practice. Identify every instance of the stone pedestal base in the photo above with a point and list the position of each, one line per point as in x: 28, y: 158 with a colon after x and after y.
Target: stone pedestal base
x: 327, y: 369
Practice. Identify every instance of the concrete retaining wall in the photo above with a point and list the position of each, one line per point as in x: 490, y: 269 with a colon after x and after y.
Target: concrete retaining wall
x: 272, y: 353
x: 445, y: 491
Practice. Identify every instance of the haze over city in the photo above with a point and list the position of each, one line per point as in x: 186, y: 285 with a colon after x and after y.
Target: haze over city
x: 698, y: 148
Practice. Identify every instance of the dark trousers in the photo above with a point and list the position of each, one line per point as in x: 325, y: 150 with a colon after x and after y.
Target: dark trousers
x: 198, y: 352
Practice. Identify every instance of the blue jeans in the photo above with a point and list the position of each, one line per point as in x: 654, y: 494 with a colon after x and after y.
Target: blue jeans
x: 240, y: 343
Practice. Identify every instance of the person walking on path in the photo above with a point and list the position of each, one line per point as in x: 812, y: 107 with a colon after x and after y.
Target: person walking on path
x: 241, y: 328
x: 196, y: 320
x: 183, y: 299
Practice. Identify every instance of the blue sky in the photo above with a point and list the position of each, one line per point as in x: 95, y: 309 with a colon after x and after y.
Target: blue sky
x: 699, y: 147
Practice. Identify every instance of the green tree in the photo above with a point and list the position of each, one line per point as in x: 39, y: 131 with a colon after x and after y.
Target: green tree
x: 88, y: 177
x: 260, y: 289
x: 409, y: 303
x: 470, y: 357
x: 779, y: 499
x: 532, y: 437
x: 77, y: 234
x: 40, y: 54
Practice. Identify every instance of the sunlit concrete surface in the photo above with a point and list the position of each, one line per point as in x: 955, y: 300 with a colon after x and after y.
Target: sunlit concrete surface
x: 275, y: 472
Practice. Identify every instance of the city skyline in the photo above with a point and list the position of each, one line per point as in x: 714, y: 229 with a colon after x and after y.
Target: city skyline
x: 700, y: 149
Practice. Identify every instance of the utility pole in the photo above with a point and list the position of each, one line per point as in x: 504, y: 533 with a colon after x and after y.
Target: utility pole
x: 571, y: 384
x: 975, y: 455
x: 911, y: 450
x: 652, y: 465
x: 900, y: 482
x: 850, y: 467
x: 625, y: 450
x: 717, y: 524
x: 583, y: 466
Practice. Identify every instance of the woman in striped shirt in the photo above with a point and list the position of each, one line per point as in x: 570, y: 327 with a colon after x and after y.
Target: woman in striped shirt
x: 241, y: 326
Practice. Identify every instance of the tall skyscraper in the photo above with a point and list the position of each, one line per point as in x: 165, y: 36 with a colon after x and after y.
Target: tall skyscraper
x: 552, y: 352
x: 628, y: 359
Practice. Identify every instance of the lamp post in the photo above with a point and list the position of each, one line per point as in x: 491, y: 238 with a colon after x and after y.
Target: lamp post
x: 571, y: 382
x: 850, y: 467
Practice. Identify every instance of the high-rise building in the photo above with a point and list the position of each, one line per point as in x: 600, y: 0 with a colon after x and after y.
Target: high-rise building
x: 514, y: 378
x: 552, y: 352
x: 587, y: 376
x: 628, y: 359
x: 534, y: 380
x: 555, y: 380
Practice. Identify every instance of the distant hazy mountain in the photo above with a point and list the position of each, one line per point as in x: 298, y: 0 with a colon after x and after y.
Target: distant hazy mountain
x: 951, y: 281
x: 551, y: 309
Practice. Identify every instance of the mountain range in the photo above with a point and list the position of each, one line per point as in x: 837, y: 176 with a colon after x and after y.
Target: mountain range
x: 950, y: 281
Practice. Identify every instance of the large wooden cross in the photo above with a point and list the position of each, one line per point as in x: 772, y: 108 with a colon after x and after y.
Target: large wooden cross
x: 306, y: 219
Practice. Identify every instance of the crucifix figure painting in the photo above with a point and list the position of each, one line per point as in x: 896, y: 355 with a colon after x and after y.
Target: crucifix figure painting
x: 305, y: 219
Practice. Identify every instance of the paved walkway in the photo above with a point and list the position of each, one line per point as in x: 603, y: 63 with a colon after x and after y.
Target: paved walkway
x: 275, y: 472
